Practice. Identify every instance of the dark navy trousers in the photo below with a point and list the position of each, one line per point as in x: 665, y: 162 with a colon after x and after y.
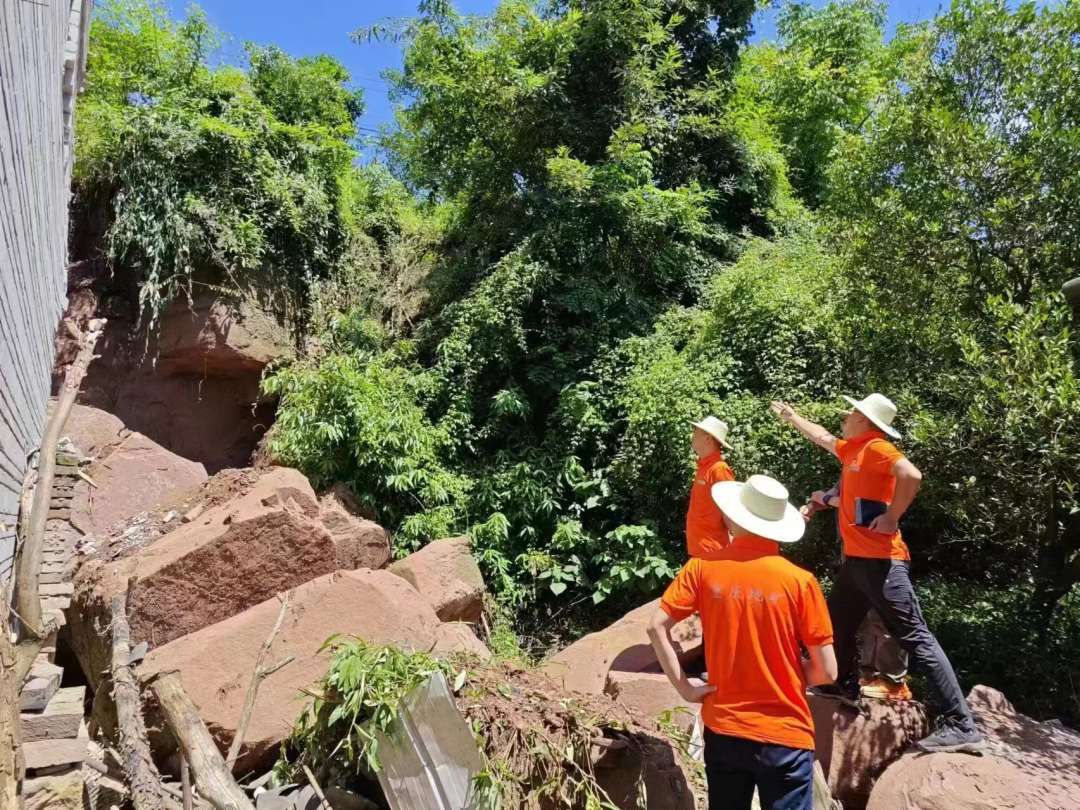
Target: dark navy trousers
x: 784, y: 777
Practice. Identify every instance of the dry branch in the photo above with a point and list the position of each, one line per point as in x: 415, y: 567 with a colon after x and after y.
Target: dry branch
x: 257, y: 676
x: 142, y: 776
x: 28, y: 602
x: 212, y: 778
x: 323, y: 803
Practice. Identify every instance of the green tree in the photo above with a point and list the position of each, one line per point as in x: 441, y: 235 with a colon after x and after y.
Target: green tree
x: 818, y: 82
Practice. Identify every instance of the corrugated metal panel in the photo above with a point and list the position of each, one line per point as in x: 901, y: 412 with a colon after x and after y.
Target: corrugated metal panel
x: 42, y: 58
x: 430, y: 757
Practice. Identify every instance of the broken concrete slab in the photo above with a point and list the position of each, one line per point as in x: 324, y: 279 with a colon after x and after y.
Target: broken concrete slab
x: 61, y: 718
x: 52, y: 753
x: 215, y: 663
x: 41, y: 684
x: 445, y: 572
x: 623, y: 647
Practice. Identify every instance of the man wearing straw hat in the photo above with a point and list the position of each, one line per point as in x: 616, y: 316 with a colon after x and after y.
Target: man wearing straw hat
x: 756, y: 609
x: 706, y: 533
x: 877, y: 485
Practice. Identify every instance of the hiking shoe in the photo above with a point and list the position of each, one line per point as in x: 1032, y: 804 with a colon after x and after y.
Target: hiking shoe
x: 884, y: 689
x: 952, y: 736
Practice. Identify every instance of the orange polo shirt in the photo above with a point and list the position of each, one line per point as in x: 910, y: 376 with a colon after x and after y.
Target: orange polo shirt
x: 867, y: 478
x: 706, y: 533
x: 756, y: 609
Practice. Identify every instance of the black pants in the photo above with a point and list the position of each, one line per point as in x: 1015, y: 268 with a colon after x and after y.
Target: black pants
x: 784, y: 777
x: 885, y: 585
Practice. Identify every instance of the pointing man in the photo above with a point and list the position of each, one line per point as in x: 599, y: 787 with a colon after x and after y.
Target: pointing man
x: 877, y: 485
x: 756, y: 608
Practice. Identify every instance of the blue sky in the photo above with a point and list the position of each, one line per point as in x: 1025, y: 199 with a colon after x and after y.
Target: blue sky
x: 323, y: 26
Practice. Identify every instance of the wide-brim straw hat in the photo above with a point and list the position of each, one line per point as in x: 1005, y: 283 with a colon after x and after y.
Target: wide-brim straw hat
x: 760, y: 505
x: 714, y: 427
x: 879, y: 409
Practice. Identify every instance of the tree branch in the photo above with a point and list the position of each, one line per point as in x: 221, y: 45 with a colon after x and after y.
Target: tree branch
x: 257, y: 677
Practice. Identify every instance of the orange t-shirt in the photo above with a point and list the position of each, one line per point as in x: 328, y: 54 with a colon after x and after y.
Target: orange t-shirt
x: 866, y: 489
x: 706, y: 533
x: 756, y: 608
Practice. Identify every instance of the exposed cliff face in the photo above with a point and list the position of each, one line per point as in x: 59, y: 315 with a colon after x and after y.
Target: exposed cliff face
x: 192, y: 383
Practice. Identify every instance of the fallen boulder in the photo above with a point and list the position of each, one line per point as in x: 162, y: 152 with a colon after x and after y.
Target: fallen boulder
x: 230, y: 558
x: 855, y: 747
x: 131, y: 473
x: 650, y: 696
x: 622, y: 647
x: 458, y: 637
x: 216, y: 662
x: 1026, y: 764
x: 135, y: 476
x: 360, y: 543
x: 446, y: 574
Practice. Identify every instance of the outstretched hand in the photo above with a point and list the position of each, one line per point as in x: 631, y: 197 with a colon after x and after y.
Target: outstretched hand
x: 784, y: 411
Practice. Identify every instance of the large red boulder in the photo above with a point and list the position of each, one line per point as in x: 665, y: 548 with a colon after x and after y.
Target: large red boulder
x: 855, y: 747
x: 623, y: 647
x: 360, y: 543
x: 215, y: 663
x: 229, y: 558
x: 447, y: 576
x: 650, y: 696
x: 1026, y: 764
x: 130, y: 472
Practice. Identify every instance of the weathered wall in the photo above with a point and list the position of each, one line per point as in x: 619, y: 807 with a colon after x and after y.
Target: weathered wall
x: 42, y: 58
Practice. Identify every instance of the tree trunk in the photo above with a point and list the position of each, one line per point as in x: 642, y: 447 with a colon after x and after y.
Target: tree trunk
x: 10, y: 767
x: 142, y: 776
x: 28, y: 602
x: 212, y: 777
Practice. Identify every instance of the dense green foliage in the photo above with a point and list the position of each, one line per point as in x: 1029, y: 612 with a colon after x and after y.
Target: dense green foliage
x: 598, y: 220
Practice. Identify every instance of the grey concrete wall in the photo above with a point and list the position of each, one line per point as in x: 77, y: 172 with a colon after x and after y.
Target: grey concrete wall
x: 42, y: 59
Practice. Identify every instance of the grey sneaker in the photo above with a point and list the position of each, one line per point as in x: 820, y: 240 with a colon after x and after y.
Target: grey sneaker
x: 954, y: 736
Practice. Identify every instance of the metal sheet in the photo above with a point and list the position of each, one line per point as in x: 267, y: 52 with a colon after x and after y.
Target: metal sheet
x: 430, y: 757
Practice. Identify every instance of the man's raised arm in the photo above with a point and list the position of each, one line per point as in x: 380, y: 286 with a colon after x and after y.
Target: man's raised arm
x: 814, y: 432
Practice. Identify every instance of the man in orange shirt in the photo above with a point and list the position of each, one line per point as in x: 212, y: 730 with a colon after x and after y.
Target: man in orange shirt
x: 877, y: 485
x: 756, y: 610
x: 705, y: 530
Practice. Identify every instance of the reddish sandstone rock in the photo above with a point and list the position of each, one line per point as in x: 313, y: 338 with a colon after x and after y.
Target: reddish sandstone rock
x: 360, y: 543
x: 214, y: 337
x: 136, y: 475
x: 215, y: 663
x: 458, y: 637
x: 1027, y: 764
x: 448, y: 577
x: 854, y: 748
x: 624, y: 647
x: 650, y: 696
x: 230, y: 558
